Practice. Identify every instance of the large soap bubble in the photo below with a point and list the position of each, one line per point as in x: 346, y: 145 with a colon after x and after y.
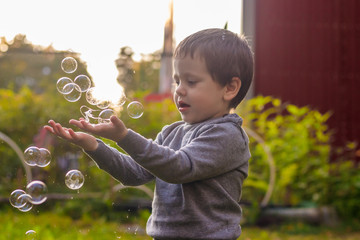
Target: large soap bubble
x: 135, y: 109
x: 69, y: 65
x: 104, y: 116
x: 45, y: 157
x: 83, y: 82
x: 26, y: 198
x: 14, y: 198
x: 37, y: 190
x: 74, y: 93
x: 32, y: 155
x: 74, y: 179
x: 61, y: 83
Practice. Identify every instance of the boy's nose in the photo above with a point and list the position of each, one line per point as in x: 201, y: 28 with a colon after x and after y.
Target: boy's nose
x: 180, y: 90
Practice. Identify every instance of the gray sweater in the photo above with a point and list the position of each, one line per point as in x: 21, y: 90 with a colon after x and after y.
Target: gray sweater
x: 199, y: 170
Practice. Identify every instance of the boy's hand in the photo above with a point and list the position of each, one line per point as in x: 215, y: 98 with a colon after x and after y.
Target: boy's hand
x: 83, y: 140
x: 114, y: 130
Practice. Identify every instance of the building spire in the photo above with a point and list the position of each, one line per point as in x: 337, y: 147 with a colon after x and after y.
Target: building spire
x: 166, y: 56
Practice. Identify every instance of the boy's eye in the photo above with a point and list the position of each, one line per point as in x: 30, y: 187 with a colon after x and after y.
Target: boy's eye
x: 191, y: 82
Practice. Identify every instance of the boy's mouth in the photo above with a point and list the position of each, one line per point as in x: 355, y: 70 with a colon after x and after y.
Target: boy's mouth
x: 183, y: 106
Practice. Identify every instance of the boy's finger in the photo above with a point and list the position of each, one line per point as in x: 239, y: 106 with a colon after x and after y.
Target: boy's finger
x: 49, y: 129
x: 73, y: 134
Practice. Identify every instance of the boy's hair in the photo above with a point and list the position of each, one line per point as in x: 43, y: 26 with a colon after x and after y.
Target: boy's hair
x: 226, y: 55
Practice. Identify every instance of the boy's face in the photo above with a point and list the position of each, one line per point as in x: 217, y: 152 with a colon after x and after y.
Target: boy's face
x: 197, y: 96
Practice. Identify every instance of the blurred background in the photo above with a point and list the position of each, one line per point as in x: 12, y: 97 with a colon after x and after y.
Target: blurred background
x: 301, y: 112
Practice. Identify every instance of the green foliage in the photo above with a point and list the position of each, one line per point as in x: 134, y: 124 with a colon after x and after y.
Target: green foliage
x: 50, y: 226
x: 343, y: 185
x: 299, y: 142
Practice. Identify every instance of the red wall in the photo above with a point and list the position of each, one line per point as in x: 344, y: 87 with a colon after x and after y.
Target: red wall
x: 308, y: 53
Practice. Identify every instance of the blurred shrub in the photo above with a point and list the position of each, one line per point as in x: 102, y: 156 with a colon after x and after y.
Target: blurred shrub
x: 299, y: 140
x: 343, y: 184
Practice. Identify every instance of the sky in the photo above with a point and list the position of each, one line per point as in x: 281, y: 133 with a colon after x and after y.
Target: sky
x: 98, y: 29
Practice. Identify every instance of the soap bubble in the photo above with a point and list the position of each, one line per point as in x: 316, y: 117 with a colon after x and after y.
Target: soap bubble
x: 61, y: 83
x: 91, y: 96
x: 121, y: 99
x: 31, y: 235
x: 135, y: 109
x: 69, y: 65
x: 37, y: 190
x: 45, y: 157
x: 32, y: 156
x: 102, y: 104
x: 74, y: 94
x: 28, y: 205
x: 74, y: 179
x: 88, y: 113
x: 14, y: 198
x: 104, y: 116
x: 83, y: 82
x: 24, y: 201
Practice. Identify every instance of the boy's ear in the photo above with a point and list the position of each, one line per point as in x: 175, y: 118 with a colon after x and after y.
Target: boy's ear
x: 232, y: 88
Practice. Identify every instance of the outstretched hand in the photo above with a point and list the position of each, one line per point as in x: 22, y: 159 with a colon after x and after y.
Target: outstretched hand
x: 114, y: 130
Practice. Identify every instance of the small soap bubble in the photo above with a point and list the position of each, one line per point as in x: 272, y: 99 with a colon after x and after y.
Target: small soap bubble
x: 37, y: 190
x: 104, y: 116
x: 31, y: 235
x: 32, y: 156
x: 135, y: 109
x: 45, y: 157
x: 83, y: 82
x: 14, y: 198
x: 61, y: 83
x: 74, y: 179
x: 75, y: 94
x: 69, y: 65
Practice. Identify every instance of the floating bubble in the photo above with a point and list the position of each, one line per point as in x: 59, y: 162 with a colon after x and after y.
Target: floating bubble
x: 32, y: 156
x: 104, y: 116
x: 102, y: 104
x: 37, y: 190
x: 75, y: 93
x: 88, y: 113
x: 74, y: 179
x: 14, y: 198
x: 69, y: 65
x: 61, y: 83
x: 83, y: 82
x: 90, y: 96
x: 135, y: 109
x: 24, y: 200
x: 31, y: 235
x: 45, y: 158
x: 121, y: 99
x: 27, y: 207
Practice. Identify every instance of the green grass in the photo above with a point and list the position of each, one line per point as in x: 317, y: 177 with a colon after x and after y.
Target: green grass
x: 48, y: 226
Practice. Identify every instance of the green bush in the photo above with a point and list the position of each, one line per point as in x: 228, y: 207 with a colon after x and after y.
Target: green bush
x: 300, y: 143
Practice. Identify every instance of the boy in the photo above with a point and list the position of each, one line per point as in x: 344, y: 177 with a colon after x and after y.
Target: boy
x: 198, y: 164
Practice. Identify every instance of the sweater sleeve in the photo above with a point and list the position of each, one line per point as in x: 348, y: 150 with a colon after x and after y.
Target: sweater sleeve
x: 216, y: 149
x: 121, y: 166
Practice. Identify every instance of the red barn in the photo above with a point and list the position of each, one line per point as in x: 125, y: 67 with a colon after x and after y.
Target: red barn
x: 308, y: 53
